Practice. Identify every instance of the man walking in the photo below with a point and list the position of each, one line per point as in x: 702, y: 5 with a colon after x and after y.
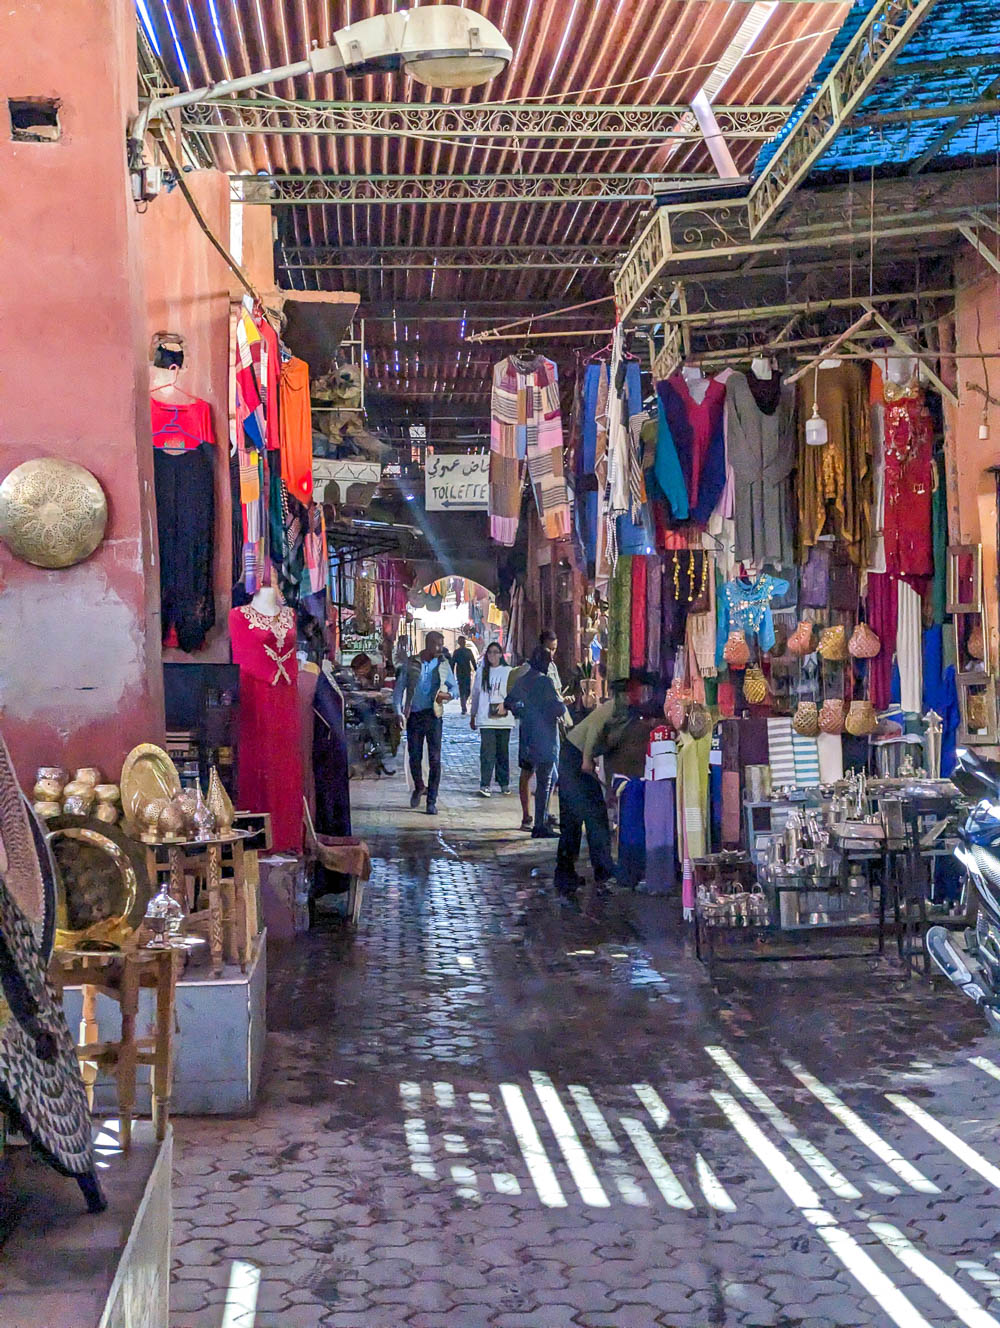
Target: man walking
x: 464, y: 664
x: 423, y: 685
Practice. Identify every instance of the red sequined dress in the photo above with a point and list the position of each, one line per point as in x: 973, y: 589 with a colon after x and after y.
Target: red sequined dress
x: 270, y: 764
x: 909, y: 448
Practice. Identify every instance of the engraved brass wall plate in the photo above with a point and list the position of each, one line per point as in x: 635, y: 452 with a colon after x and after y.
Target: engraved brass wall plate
x: 148, y: 773
x: 53, y: 513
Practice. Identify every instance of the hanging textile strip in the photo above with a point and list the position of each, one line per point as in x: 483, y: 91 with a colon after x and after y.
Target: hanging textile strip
x: 526, y: 425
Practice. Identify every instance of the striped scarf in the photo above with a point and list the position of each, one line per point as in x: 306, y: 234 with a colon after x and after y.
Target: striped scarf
x: 526, y: 427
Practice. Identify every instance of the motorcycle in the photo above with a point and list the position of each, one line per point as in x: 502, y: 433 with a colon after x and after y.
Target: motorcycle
x: 972, y: 960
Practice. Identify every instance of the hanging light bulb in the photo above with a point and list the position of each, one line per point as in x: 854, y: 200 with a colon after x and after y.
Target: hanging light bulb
x: 984, y: 423
x: 816, y: 431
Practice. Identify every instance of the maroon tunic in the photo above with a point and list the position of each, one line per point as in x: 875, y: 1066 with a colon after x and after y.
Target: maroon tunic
x: 270, y: 760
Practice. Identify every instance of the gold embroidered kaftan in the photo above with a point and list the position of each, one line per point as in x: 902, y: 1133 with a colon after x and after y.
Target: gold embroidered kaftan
x: 835, y: 480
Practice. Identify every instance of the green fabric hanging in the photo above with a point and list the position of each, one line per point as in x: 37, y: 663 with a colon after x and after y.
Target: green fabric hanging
x: 939, y: 530
x: 620, y: 620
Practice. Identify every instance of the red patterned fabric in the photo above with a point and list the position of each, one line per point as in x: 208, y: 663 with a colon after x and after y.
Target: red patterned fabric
x: 270, y: 761
x: 909, y: 445
x: 637, y: 658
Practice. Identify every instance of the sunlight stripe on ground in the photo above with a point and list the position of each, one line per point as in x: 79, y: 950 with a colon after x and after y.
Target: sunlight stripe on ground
x: 455, y: 1143
x: 532, y: 1149
x: 419, y: 1144
x: 466, y: 1182
x: 628, y: 1187
x: 809, y: 1153
x: 591, y: 1189
x: 410, y: 1093
x: 979, y: 1272
x: 444, y: 1095
x: 663, y: 1175
x: 593, y: 1118
x: 712, y: 1188
x: 856, y: 1260
x: 958, y: 1300
x: 240, y: 1309
x: 963, y: 1151
x: 884, y: 1151
x: 505, y: 1183
x: 654, y: 1104
x: 981, y: 1063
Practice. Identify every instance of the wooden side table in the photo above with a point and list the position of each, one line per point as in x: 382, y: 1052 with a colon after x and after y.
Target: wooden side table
x: 230, y: 922
x: 120, y: 975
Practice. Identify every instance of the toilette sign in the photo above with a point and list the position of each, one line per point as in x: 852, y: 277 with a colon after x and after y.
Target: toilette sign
x: 457, y: 483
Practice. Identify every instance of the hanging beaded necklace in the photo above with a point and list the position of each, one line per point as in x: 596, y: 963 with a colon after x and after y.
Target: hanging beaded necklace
x: 691, y: 596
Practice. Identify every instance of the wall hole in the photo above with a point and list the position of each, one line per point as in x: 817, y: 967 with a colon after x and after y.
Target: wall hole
x: 34, y: 119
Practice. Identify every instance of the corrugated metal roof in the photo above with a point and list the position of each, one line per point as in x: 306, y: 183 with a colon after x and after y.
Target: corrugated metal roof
x: 953, y: 58
x: 613, y: 52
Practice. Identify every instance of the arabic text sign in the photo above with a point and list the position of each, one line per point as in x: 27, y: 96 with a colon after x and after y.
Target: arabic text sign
x: 457, y: 483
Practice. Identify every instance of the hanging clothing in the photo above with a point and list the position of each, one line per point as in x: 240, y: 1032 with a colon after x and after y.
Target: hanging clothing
x: 270, y: 771
x: 835, y: 480
x: 526, y: 426
x: 667, y: 466
x: 909, y: 647
x: 745, y: 606
x: 909, y: 446
x: 660, y: 818
x: 295, y: 429
x: 184, y: 482
x: 331, y: 767
x: 760, y: 447
x: 692, y: 807
x: 637, y: 614
x: 695, y: 417
x: 619, y: 653
x: 654, y: 588
x: 939, y: 528
x: 881, y: 614
x: 591, y: 457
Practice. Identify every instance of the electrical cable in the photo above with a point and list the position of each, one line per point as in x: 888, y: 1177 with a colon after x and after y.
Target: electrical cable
x: 224, y: 253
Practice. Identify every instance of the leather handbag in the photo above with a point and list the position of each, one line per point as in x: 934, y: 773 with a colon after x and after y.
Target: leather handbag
x: 780, y: 647
x: 699, y: 720
x: 805, y: 721
x: 833, y: 643
x: 755, y: 686
x: 736, y: 652
x: 864, y: 644
x: 831, y: 716
x: 676, y: 702
x: 801, y: 640
x: 861, y: 719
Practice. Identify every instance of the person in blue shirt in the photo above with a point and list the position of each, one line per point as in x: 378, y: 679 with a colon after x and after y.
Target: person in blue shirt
x: 423, y: 684
x: 539, y: 708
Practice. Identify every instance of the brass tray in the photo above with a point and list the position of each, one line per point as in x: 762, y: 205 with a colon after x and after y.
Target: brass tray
x: 101, y: 892
x: 148, y: 773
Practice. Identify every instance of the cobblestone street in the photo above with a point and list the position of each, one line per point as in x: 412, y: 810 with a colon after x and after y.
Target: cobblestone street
x: 490, y: 1110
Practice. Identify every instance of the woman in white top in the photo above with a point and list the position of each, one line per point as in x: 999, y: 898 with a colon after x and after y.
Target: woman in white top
x: 491, y: 717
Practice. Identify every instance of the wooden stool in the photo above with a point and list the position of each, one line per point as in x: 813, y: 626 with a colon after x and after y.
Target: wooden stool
x: 231, y: 921
x: 120, y: 975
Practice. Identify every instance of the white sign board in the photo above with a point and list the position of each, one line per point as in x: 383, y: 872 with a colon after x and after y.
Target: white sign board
x: 457, y: 483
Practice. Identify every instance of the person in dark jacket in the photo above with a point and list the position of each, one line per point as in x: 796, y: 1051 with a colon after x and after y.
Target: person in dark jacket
x: 464, y: 663
x: 539, y: 708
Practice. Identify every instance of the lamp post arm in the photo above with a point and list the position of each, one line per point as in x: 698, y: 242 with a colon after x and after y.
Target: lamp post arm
x: 321, y: 61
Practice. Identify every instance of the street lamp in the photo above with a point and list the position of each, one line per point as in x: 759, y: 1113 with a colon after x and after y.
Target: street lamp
x: 442, y: 46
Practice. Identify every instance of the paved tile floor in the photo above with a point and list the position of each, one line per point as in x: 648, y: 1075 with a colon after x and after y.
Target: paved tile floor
x: 486, y: 1110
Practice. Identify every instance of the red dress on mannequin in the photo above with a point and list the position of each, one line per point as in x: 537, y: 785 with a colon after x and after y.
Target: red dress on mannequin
x: 270, y: 760
x: 909, y: 452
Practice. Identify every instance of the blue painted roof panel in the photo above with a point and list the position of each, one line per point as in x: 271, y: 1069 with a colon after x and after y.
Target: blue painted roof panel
x: 960, y: 27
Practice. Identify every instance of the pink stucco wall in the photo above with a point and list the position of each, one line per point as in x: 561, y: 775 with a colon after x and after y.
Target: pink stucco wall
x: 974, y: 507
x: 80, y: 676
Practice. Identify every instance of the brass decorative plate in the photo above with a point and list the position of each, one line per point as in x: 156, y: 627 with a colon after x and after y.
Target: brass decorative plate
x: 97, y: 889
x: 53, y: 513
x: 148, y: 773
